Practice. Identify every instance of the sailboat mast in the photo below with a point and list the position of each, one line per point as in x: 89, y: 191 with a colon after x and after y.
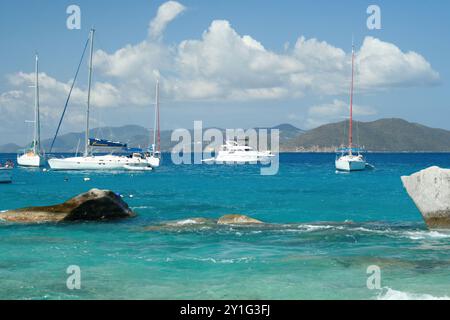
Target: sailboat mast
x: 86, y: 147
x: 36, y: 139
x: 155, y: 123
x: 157, y: 116
x: 350, y: 133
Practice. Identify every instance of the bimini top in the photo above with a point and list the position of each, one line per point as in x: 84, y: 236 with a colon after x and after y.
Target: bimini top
x: 233, y: 145
x: 133, y: 150
x: 106, y: 143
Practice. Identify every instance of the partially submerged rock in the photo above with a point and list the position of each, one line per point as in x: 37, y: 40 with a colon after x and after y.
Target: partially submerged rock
x: 202, y: 223
x: 93, y: 205
x: 430, y: 191
x: 237, y: 219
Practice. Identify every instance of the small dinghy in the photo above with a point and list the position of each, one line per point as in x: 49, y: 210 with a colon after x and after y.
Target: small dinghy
x: 6, y: 172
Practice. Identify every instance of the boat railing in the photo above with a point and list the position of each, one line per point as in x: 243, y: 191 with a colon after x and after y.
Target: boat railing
x: 356, y: 150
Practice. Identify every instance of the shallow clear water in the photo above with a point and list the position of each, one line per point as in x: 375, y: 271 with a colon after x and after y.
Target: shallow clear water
x: 324, y: 230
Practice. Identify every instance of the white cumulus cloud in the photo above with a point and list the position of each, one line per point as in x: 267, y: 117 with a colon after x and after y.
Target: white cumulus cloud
x: 384, y: 65
x: 166, y: 13
x: 223, y: 65
x: 337, y: 110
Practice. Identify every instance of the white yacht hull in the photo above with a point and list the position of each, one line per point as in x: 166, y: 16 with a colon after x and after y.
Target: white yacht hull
x: 137, y: 168
x: 108, y: 162
x: 5, y: 175
x: 242, y: 157
x: 350, y: 163
x: 153, y: 161
x: 34, y: 160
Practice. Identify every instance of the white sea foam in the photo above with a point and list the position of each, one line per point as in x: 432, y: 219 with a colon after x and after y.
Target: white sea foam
x: 187, y: 222
x: 225, y: 261
x: 310, y: 227
x: 412, y: 235
x: 207, y: 260
x: 420, y: 235
x: 362, y: 229
x: 391, y: 294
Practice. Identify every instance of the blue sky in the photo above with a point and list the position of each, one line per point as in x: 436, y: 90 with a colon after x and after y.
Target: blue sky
x: 251, y: 88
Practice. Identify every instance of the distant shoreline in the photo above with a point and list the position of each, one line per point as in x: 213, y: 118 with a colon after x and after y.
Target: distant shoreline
x: 380, y: 136
x: 294, y: 152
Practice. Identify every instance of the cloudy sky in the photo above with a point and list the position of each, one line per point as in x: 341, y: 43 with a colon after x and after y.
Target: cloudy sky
x: 235, y: 63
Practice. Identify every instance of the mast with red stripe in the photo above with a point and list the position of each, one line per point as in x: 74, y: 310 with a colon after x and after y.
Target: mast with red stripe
x: 156, y: 147
x: 350, y: 133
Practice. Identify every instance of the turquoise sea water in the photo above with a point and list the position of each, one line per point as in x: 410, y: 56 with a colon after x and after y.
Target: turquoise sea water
x: 325, y: 230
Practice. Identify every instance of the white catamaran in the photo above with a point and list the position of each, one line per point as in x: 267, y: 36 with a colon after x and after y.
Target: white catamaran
x: 33, y: 157
x: 135, y: 161
x: 233, y: 152
x: 350, y: 158
x: 154, y: 156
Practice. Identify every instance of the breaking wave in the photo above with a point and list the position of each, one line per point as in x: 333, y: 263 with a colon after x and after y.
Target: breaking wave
x: 391, y: 294
x: 413, y: 232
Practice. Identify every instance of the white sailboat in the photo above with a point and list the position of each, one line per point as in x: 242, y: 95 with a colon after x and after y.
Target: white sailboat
x: 154, y: 156
x: 350, y: 158
x: 33, y: 156
x: 97, y: 162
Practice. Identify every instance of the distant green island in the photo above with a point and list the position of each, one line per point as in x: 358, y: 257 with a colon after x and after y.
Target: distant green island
x: 384, y: 135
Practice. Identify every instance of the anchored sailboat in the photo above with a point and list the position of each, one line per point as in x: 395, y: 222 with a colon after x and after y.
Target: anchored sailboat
x: 33, y: 157
x: 154, y: 157
x: 350, y: 158
x: 93, y: 162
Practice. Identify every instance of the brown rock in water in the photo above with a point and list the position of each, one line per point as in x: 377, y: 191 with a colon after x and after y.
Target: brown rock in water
x: 201, y: 223
x: 237, y: 219
x: 94, y: 205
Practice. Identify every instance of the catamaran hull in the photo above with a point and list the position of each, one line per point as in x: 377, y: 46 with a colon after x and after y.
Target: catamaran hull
x: 350, y: 165
x: 5, y: 175
x: 95, y: 163
x: 31, y: 161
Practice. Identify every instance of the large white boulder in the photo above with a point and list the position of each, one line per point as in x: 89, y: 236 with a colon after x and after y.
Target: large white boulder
x: 430, y: 191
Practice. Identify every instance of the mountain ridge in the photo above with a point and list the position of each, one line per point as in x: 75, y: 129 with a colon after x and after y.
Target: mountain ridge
x: 382, y: 135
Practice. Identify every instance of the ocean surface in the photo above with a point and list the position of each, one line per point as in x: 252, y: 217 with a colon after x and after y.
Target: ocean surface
x: 324, y: 229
